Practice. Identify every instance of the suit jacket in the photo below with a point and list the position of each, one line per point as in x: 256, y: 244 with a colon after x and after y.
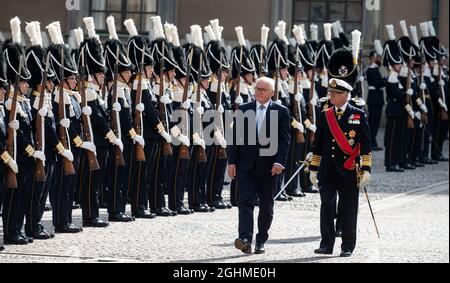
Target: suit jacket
x: 247, y: 156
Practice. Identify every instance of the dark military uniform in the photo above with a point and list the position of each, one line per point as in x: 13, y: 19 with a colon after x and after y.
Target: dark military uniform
x: 375, y: 100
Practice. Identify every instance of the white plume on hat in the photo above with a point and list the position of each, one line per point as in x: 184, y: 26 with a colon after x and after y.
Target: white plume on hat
x: 112, y: 28
x: 264, y: 35
x: 209, y: 30
x: 55, y: 33
x: 390, y: 32
x: 216, y: 28
x: 79, y: 37
x: 240, y: 36
x: 378, y: 47
x: 431, y: 28
x: 356, y: 42
x: 302, y: 27
x: 327, y: 31
x: 314, y: 30
x: 298, y: 33
x: 280, y: 31
x: 424, y: 29
x: 197, y: 38
x: 174, y: 35
x: 131, y: 27
x: 339, y: 25
x: 157, y: 27
x: 335, y: 29
x: 33, y: 29
x: 404, y: 28
x: 90, y: 26
x: 167, y: 31
x: 415, y: 37
x: 15, y: 30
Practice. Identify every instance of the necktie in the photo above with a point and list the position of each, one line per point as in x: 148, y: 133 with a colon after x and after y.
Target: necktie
x: 339, y: 113
x: 260, y: 117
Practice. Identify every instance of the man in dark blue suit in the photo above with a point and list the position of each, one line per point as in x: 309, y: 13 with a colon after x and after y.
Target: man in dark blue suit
x: 256, y: 164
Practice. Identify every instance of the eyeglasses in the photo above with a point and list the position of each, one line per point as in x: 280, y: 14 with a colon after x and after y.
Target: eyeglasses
x: 262, y: 89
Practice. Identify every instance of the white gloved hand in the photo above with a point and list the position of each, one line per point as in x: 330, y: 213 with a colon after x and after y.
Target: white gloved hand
x: 200, y: 142
x: 442, y: 83
x: 187, y: 104
x: 313, y: 102
x: 312, y: 128
x: 313, y: 178
x: 361, y: 78
x: 220, y: 109
x: 43, y: 111
x: 424, y: 108
x: 166, y: 136
x: 87, y: 110
x: 165, y: 99
x: 200, y: 110
x: 365, y: 179
x: 423, y: 86
x: 222, y: 142
x: 39, y: 155
x: 67, y: 154
x: 119, y: 143
x: 184, y: 140
x: 89, y: 146
x: 300, y: 127
x: 442, y: 104
x: 140, y: 107
x: 8, y: 104
x: 239, y: 100
x: 13, y: 165
x: 418, y: 115
x: 116, y: 107
x: 14, y: 124
x: 65, y: 123
x: 410, y: 92
x: 298, y: 97
x: 139, y: 139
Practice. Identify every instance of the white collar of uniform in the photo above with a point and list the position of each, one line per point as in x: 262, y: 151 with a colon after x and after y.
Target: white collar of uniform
x: 145, y: 84
x: 393, y: 77
x: 343, y: 108
x: 373, y: 66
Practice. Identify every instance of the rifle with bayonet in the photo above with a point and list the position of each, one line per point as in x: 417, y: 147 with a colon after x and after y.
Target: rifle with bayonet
x: 299, y: 137
x: 221, y: 152
x: 118, y: 155
x: 237, y: 82
x: 166, y: 147
x: 184, y: 149
x: 138, y: 123
x: 201, y: 153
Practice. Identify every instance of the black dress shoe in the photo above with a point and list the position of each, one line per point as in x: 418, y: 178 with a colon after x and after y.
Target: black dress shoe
x: 96, y: 222
x: 418, y: 164
x: 68, y: 229
x: 218, y: 204
x: 429, y: 161
x: 15, y: 240
x: 395, y: 168
x: 144, y: 214
x: 243, y: 245
x: 229, y: 205
x: 210, y: 208
x: 296, y: 193
x: 200, y: 208
x: 440, y: 159
x: 183, y: 210
x: 163, y: 212
x: 76, y: 206
x: 323, y: 251
x: 2, y: 248
x: 311, y: 190
x: 259, y: 248
x: 407, y: 166
x: 41, y: 235
x: 346, y: 254
x: 120, y: 217
x: 281, y: 198
x: 47, y: 207
x: 29, y: 239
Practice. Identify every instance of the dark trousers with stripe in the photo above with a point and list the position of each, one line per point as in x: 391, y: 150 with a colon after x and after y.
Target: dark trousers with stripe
x: 375, y: 112
x: 176, y: 182
x: 216, y: 175
x: 138, y: 192
x: 39, y: 193
x: 393, y: 141
x: 416, y: 142
x: 119, y: 179
x: 294, y: 156
x: 92, y: 183
x: 197, y: 178
x: 15, y: 200
x: 407, y: 134
x: 348, y: 211
x: 62, y: 193
x: 156, y: 169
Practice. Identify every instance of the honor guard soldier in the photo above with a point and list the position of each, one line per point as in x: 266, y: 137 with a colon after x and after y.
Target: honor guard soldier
x: 198, y: 168
x: 375, y: 98
x: 307, y: 82
x: 20, y: 139
x: 341, y: 161
x: 218, y: 95
x: 121, y: 113
x: 408, y: 79
x: 324, y: 52
x: 440, y: 124
x: 179, y: 164
x: 8, y: 161
x: 140, y: 55
x: 313, y: 42
x: 44, y: 129
x: 277, y: 62
x: 91, y: 57
x: 339, y: 39
x: 165, y: 73
x: 258, y: 53
x: 395, y: 109
x: 242, y: 75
